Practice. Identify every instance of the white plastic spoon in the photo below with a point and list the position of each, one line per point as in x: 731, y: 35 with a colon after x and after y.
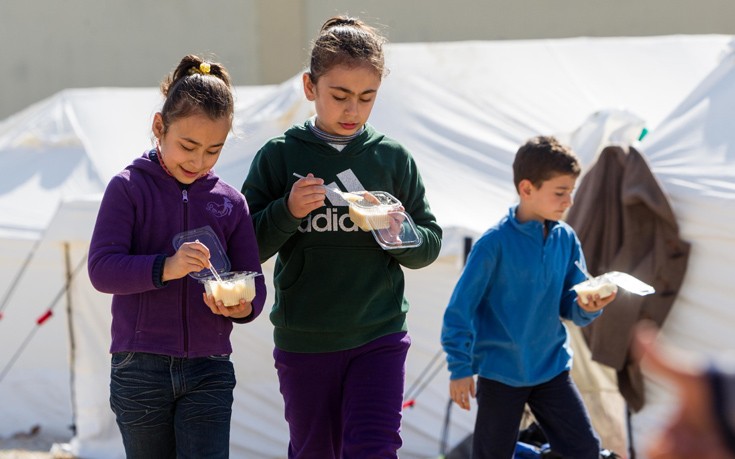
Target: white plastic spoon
x: 349, y: 197
x: 211, y: 268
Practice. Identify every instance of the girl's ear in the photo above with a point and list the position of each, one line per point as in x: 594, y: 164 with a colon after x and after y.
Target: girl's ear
x: 309, y: 86
x: 157, y: 128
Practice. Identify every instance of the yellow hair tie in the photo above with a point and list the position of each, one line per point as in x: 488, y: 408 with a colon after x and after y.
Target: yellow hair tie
x: 204, y: 68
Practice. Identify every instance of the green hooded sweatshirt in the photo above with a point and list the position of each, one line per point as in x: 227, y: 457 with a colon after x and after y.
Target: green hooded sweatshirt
x: 336, y: 288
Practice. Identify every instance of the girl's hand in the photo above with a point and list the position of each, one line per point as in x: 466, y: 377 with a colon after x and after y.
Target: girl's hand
x: 595, y: 303
x: 396, y: 221
x: 461, y: 390
x: 190, y: 258
x: 240, y: 311
x: 393, y: 232
x: 307, y: 194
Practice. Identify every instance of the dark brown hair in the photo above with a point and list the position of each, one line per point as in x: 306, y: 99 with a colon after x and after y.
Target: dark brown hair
x: 346, y: 41
x: 197, y: 87
x: 543, y: 158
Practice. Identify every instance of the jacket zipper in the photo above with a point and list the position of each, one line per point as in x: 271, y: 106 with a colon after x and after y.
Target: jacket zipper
x: 185, y: 297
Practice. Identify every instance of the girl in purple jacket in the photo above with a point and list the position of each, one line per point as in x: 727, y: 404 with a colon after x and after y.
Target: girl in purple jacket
x: 172, y: 381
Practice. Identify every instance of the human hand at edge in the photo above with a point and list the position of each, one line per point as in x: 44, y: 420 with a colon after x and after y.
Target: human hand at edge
x: 692, y: 430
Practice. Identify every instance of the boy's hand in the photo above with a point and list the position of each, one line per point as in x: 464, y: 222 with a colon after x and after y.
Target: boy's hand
x: 595, y: 303
x: 307, y: 194
x: 461, y: 390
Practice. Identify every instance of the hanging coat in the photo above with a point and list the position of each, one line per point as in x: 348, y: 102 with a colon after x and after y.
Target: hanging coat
x: 625, y: 223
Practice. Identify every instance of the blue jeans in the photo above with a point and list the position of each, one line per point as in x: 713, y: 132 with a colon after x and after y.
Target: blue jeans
x: 557, y: 407
x: 171, y: 407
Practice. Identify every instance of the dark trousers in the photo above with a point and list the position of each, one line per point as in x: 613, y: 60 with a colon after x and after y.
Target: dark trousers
x: 557, y: 407
x: 345, y: 404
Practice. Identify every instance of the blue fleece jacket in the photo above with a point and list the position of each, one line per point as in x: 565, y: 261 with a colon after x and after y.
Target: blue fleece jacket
x: 503, y: 321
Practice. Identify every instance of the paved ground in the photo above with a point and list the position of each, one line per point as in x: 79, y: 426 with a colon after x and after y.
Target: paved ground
x: 30, y: 447
x: 24, y: 454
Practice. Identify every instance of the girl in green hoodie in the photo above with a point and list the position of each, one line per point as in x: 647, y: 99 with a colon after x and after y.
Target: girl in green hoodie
x: 340, y: 313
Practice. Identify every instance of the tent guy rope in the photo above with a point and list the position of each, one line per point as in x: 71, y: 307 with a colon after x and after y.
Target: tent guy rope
x: 14, y: 283
x: 42, y: 319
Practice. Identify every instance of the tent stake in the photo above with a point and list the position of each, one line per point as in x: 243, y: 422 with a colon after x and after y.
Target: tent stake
x: 72, y: 341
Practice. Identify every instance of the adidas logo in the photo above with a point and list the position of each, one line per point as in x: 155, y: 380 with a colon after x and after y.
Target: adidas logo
x: 329, y: 220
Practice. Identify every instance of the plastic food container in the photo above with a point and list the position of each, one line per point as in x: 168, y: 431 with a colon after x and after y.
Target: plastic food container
x: 607, y: 283
x: 217, y: 255
x: 382, y: 214
x: 599, y: 285
x: 235, y: 286
x: 371, y: 212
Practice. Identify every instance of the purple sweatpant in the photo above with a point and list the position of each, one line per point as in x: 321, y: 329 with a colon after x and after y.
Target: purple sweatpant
x: 345, y: 404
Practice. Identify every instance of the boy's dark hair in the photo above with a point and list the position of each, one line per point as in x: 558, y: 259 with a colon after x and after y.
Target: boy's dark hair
x: 542, y: 158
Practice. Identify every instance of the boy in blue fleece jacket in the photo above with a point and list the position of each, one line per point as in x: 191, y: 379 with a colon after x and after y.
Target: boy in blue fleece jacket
x: 504, y: 319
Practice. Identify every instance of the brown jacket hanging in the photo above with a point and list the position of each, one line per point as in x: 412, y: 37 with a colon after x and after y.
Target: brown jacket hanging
x: 625, y: 223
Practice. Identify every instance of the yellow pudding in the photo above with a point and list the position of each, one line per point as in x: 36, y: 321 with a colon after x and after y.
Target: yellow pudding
x: 600, y: 285
x: 370, y: 218
x: 371, y: 211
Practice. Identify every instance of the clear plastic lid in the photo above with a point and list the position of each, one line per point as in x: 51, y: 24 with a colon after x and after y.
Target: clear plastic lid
x: 630, y: 283
x: 401, y: 234
x: 382, y: 200
x: 381, y: 213
x: 217, y: 255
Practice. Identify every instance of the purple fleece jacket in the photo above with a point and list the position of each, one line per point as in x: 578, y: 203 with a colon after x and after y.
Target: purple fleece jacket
x: 143, y: 208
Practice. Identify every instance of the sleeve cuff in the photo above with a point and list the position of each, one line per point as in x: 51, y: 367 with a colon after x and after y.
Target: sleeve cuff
x: 158, y: 271
x: 244, y: 320
x: 282, y: 216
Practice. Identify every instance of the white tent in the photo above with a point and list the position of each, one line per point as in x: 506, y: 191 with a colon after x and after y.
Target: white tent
x: 692, y: 153
x: 462, y: 108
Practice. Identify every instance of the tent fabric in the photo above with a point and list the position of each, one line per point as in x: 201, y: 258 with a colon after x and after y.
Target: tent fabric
x: 598, y: 387
x: 461, y: 108
x: 692, y: 154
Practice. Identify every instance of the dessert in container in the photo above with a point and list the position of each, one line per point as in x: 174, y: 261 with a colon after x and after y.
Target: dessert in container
x: 382, y: 214
x: 608, y: 283
x: 599, y: 285
x: 371, y: 212
x: 233, y: 285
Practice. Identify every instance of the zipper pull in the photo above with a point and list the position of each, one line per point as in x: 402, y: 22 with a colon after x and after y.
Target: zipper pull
x: 185, y: 196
